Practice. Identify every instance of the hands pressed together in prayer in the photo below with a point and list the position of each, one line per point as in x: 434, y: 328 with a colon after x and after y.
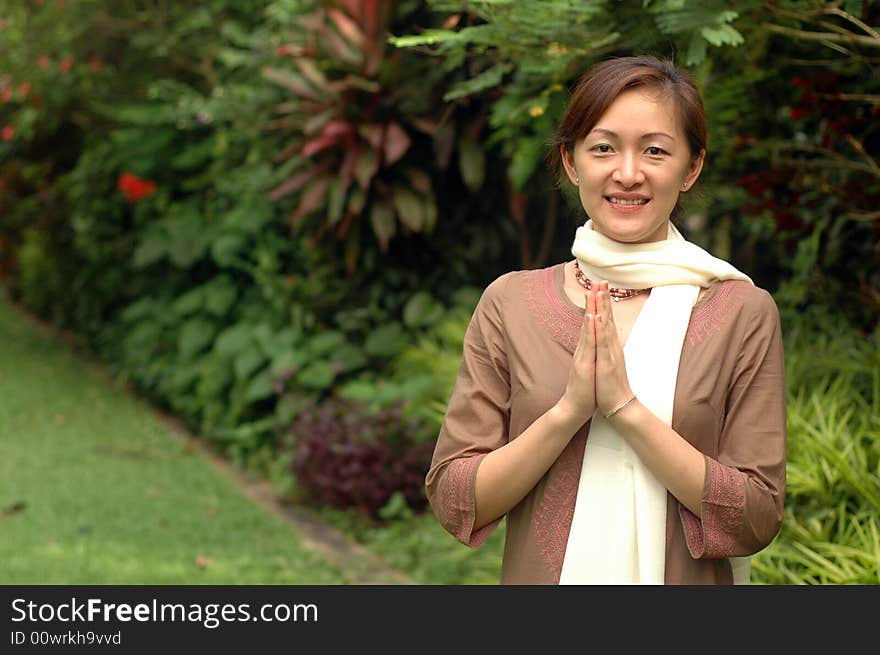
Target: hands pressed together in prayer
x: 597, y: 378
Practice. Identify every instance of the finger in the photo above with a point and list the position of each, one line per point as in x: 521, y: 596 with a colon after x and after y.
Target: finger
x: 589, y: 336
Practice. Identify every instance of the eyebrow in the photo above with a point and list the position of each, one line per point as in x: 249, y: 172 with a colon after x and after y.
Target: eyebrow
x: 644, y: 136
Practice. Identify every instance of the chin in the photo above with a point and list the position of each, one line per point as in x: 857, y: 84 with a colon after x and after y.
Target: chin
x: 624, y: 232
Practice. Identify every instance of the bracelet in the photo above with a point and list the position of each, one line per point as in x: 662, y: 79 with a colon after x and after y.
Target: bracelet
x: 613, y: 412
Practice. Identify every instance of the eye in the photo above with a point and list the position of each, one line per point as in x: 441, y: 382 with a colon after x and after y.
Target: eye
x: 602, y: 148
x: 654, y: 151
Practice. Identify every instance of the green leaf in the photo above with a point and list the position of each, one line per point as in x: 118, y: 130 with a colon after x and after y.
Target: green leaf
x: 422, y: 309
x: 248, y: 361
x: 722, y: 35
x: 195, y: 335
x: 318, y: 375
x: 489, y: 78
x: 472, y: 163
x: 348, y: 358
x: 524, y: 162
x: 386, y: 340
x: 383, y: 223
x: 190, y: 302
x: 227, y: 248
x: 409, y: 208
x: 288, y: 361
x: 234, y: 339
x: 696, y: 53
x: 220, y: 296
x: 336, y: 196
x: 260, y: 387
x: 152, y: 247
x: 325, y: 343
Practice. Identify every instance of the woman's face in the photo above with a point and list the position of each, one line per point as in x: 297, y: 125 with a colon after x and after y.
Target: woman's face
x: 631, y: 167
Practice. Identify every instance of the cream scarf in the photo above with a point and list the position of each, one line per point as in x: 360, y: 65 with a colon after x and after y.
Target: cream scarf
x: 618, y: 532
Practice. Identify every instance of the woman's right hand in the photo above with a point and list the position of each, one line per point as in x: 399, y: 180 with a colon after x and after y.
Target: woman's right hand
x: 579, y: 399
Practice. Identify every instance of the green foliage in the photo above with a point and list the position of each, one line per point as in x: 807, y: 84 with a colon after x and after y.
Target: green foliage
x: 830, y: 532
x: 363, y: 136
x: 423, y: 367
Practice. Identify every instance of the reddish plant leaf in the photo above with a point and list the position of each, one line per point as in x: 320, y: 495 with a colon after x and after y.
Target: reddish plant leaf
x: 373, y: 133
x: 288, y: 152
x: 318, y: 121
x: 342, y: 230
x: 312, y: 73
x: 312, y: 198
x: 337, y: 128
x: 291, y: 81
x: 426, y: 125
x: 316, y: 145
x: 346, y: 171
x: 347, y: 28
x: 344, y: 51
x: 397, y: 142
x: 295, y: 183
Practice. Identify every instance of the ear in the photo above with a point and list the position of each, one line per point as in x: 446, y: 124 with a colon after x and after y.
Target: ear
x: 694, y: 169
x: 568, y: 163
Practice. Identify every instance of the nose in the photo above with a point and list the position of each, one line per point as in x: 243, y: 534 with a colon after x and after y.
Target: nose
x: 629, y: 172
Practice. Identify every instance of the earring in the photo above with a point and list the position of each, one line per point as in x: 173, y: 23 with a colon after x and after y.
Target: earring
x: 577, y: 180
x: 684, y: 186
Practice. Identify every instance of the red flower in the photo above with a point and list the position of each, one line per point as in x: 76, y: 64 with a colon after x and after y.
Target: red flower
x: 800, y: 112
x: 135, y: 188
x: 96, y: 64
x: 6, y: 94
x: 7, y: 133
x: 24, y: 89
x: 65, y: 64
x: 43, y: 61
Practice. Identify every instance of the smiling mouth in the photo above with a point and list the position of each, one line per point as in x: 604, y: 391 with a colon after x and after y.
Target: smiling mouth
x: 625, y: 202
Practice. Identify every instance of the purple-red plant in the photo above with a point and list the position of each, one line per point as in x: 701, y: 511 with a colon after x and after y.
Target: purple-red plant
x: 347, y: 457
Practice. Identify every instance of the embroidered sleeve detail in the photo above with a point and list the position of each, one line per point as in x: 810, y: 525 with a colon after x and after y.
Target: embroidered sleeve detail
x: 711, y: 316
x: 457, y: 510
x: 560, y: 322
x: 554, y: 510
x: 713, y: 534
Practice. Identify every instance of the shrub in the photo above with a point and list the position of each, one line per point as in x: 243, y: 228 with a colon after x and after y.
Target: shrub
x: 347, y: 457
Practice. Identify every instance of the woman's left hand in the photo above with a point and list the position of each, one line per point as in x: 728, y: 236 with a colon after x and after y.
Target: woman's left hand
x: 612, y: 383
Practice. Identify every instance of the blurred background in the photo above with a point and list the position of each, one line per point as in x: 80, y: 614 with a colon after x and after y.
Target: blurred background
x: 272, y: 220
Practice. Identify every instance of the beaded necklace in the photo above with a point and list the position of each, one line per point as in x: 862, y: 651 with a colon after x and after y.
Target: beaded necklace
x: 616, y: 294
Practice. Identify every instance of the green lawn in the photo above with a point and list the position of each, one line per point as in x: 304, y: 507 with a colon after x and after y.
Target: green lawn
x: 94, y: 488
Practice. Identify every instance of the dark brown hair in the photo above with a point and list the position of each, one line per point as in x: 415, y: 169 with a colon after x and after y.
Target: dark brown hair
x: 600, y: 85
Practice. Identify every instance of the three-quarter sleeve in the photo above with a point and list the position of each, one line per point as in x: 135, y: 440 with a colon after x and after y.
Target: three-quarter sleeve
x: 744, y: 487
x: 477, y: 420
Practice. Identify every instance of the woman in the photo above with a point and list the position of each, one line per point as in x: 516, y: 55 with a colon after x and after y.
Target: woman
x: 624, y: 410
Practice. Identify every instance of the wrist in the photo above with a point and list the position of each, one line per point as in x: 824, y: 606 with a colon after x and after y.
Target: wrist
x: 620, y: 407
x: 566, y: 416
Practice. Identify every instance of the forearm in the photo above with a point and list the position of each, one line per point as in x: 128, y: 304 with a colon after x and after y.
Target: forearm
x: 507, y: 474
x: 675, y: 463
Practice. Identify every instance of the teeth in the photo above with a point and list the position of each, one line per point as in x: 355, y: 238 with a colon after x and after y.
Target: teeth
x: 621, y: 201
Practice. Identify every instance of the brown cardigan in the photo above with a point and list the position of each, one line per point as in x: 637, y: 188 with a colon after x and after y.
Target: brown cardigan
x: 729, y: 403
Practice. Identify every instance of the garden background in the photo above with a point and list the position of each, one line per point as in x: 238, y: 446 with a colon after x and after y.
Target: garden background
x: 272, y: 220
